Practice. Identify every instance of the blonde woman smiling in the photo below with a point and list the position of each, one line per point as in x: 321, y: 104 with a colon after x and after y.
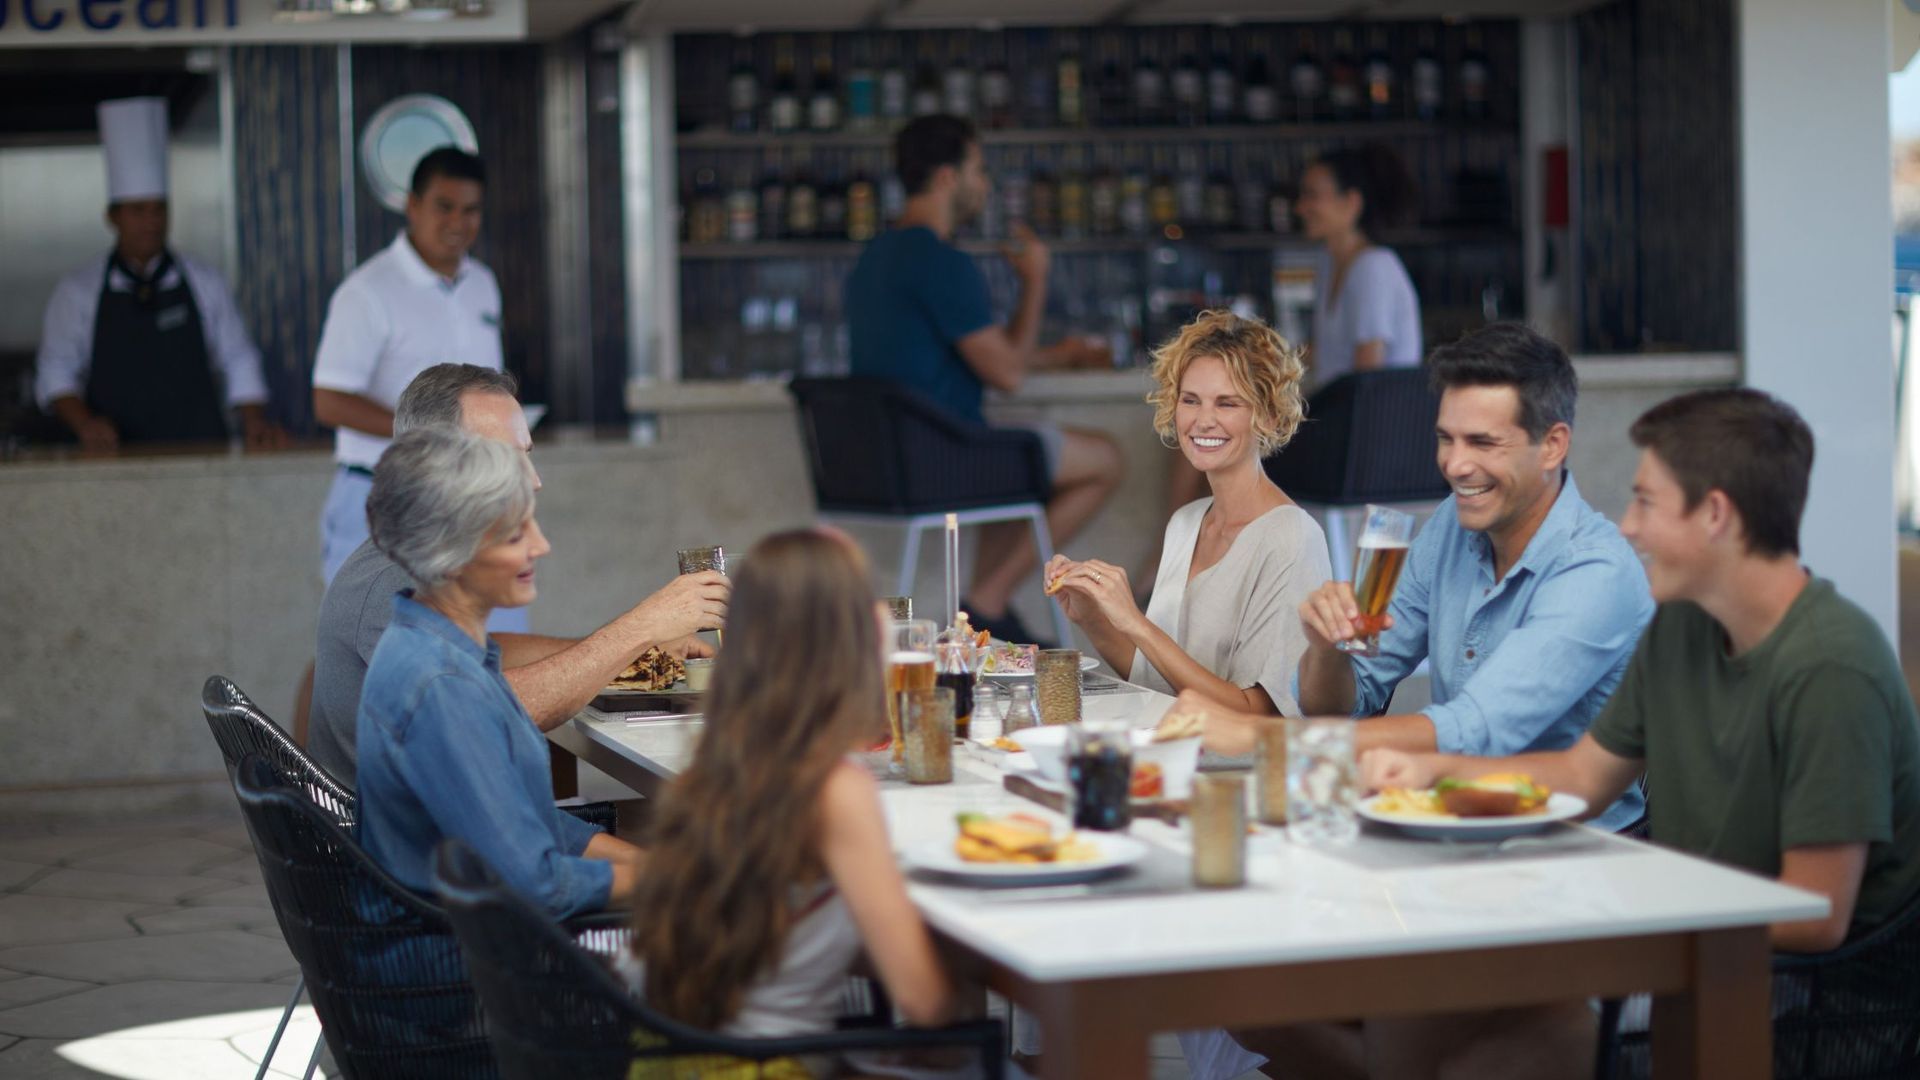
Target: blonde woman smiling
x: 1223, y: 619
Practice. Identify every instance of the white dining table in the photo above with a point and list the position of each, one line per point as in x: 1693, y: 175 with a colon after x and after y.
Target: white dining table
x: 1389, y: 925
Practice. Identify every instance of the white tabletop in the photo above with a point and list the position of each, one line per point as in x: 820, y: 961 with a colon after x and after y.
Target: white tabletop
x: 1384, y: 895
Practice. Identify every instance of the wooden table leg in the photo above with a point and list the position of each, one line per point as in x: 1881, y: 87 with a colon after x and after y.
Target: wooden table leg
x: 1721, y: 1026
x: 1079, y: 1039
x: 566, y: 771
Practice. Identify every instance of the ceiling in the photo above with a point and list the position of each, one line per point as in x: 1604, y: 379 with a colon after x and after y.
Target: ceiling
x: 844, y: 14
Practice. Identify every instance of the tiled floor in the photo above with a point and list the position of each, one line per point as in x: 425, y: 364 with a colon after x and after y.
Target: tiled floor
x: 150, y: 952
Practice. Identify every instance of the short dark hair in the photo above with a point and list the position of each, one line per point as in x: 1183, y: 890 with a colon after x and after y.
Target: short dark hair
x: 929, y: 142
x: 432, y: 399
x: 1512, y: 354
x: 450, y: 162
x: 1386, y: 187
x: 1749, y: 445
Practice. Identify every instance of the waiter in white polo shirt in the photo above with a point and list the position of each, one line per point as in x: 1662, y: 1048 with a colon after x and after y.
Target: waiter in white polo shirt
x: 137, y: 343
x: 421, y: 301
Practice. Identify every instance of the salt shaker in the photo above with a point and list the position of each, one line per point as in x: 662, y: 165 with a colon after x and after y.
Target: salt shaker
x: 1021, y: 713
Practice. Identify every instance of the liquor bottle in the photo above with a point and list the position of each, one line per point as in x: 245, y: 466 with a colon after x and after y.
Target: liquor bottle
x: 783, y: 108
x: 1111, y: 89
x: 1305, y: 80
x: 1223, y: 91
x: 1343, y: 81
x: 1189, y: 84
x: 1252, y: 195
x: 1163, y: 206
x: 1428, y: 84
x: 1030, y: 52
x: 707, y: 220
x: 1219, y: 194
x: 1015, y: 197
x: 803, y: 202
x: 893, y: 198
x: 773, y: 202
x: 1070, y: 102
x: 1043, y: 198
x: 957, y: 84
x: 1377, y: 73
x: 743, y: 89
x: 1149, y: 86
x: 833, y: 208
x: 1279, y: 208
x: 743, y: 209
x: 1074, y: 209
x: 863, y: 111
x: 823, y: 106
x: 1134, y: 186
x: 1103, y: 198
x: 893, y: 82
x: 1474, y: 76
x: 926, y: 82
x: 996, y: 84
x: 1261, y: 103
x: 1189, y: 190
x: 863, y: 207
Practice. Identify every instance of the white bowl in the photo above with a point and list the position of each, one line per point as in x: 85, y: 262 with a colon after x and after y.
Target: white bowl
x: 1177, y: 759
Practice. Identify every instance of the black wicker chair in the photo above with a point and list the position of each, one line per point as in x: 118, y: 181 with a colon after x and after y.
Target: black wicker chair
x: 241, y: 728
x: 556, y: 1010
x: 1849, y: 1014
x: 880, y: 453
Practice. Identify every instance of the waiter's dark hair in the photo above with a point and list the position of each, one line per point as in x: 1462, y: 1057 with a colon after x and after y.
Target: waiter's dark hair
x: 1750, y: 446
x: 929, y: 142
x: 450, y: 162
x: 432, y: 399
x: 1386, y: 187
x: 1512, y: 354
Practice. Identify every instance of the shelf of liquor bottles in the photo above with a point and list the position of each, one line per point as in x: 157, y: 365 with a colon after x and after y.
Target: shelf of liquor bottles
x: 882, y: 139
x: 1250, y: 241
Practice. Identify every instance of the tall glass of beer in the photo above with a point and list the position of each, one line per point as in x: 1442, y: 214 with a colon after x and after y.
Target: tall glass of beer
x: 701, y: 559
x: 1376, y: 570
x: 909, y: 667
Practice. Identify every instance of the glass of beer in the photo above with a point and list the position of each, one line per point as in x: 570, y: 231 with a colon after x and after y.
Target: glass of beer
x: 909, y: 667
x: 1376, y: 570
x: 698, y: 560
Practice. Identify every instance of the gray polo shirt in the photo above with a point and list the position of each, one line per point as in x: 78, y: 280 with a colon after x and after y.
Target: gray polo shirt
x: 353, y: 614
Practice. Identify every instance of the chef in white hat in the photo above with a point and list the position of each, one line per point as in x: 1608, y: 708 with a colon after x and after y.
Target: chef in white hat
x: 143, y: 344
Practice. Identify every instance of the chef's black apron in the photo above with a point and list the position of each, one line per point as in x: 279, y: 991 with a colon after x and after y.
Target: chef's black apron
x: 150, y: 373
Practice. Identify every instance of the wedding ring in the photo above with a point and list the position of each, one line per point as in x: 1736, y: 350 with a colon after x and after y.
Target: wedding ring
x: 1097, y: 576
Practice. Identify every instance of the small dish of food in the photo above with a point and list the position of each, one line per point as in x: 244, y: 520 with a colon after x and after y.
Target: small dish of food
x: 1491, y: 807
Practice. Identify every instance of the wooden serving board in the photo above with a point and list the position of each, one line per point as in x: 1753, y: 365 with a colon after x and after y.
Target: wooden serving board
x: 614, y: 699
x: 1170, y: 811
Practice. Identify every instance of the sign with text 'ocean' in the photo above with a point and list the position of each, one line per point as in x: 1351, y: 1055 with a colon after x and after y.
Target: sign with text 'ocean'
x: 138, y: 23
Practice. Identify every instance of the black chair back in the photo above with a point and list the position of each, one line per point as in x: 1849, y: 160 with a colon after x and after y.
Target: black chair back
x: 381, y: 966
x: 1368, y: 437
x: 241, y: 728
x: 875, y: 446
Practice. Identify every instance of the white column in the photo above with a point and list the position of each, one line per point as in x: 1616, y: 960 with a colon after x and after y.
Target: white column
x: 1816, y: 253
x: 1546, y: 71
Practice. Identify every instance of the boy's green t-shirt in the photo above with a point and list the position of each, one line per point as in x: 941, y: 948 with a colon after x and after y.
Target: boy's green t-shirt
x: 1809, y: 738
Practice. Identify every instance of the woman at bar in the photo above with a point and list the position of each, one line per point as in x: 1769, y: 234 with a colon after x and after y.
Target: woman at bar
x: 1223, y: 618
x: 445, y: 748
x: 769, y: 869
x: 1366, y: 314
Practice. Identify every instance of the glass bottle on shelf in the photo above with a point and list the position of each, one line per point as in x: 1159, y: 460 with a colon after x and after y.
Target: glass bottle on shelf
x: 1305, y: 80
x: 893, y: 198
x: 1223, y: 90
x: 1163, y: 206
x: 832, y: 199
x: 863, y: 112
x: 1149, y: 85
x: 1474, y: 76
x: 1343, y: 78
x: 707, y: 220
x: 1031, y: 57
x: 863, y: 206
x: 1074, y: 211
x: 1069, y: 101
x: 803, y: 202
x: 957, y: 84
x: 1043, y: 198
x: 1428, y: 84
x: 1377, y: 73
x: 1188, y: 83
x: 1189, y: 189
x: 1279, y: 208
x: 1134, y: 186
x: 893, y: 81
x: 1219, y: 194
x: 773, y: 201
x: 1111, y: 88
x: 823, y: 104
x: 996, y: 83
x: 1103, y: 197
x: 743, y: 209
x: 743, y: 89
x: 1260, y: 101
x: 1251, y: 194
x: 926, y: 81
x: 783, y: 108
x: 1015, y: 191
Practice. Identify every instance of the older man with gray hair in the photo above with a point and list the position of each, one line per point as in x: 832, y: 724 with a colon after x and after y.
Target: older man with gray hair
x: 553, y: 677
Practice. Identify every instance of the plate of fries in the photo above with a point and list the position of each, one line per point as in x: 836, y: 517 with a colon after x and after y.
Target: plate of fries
x: 1421, y: 813
x: 1024, y: 850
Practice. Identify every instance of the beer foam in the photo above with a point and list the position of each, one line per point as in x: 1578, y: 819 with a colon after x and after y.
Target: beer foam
x: 910, y: 658
x: 1381, y: 542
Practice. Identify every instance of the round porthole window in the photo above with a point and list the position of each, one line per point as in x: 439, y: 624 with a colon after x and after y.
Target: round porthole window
x: 400, y: 134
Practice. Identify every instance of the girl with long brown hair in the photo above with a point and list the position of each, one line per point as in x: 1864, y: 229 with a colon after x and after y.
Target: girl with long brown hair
x: 770, y: 870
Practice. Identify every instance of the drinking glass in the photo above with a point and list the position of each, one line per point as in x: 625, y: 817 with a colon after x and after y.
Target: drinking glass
x: 898, y: 607
x: 1219, y: 816
x: 1100, y: 773
x: 926, y: 720
x: 1056, y: 677
x: 1323, y: 784
x: 1270, y: 770
x: 1376, y: 570
x: 700, y: 559
x: 909, y: 667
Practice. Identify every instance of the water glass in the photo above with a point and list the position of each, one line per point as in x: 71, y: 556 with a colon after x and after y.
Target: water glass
x: 1056, y: 677
x: 927, y: 719
x: 696, y: 560
x: 1323, y: 782
x: 898, y: 607
x: 1219, y: 816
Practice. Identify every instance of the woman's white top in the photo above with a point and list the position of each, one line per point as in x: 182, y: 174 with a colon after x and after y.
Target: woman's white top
x: 1377, y: 302
x: 1240, y: 617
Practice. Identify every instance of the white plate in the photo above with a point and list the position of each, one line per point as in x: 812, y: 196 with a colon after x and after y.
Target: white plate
x: 1560, y: 807
x: 1116, y: 852
x: 1087, y: 663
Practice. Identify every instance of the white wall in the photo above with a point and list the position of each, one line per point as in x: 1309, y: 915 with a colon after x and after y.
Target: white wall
x: 1816, y: 234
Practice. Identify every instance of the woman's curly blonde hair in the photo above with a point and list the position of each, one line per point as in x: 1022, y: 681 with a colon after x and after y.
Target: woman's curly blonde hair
x: 1263, y: 367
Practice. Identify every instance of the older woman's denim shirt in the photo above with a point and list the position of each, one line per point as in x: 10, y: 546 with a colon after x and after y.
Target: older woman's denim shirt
x: 446, y: 751
x: 1523, y: 663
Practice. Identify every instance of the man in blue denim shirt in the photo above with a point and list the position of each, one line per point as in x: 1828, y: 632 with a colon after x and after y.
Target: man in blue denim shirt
x: 1526, y: 600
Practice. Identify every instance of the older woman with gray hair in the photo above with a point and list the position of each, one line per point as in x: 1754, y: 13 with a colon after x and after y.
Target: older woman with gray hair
x: 445, y: 748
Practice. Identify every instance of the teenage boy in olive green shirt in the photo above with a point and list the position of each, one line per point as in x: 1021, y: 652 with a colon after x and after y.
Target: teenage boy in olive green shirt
x: 1769, y: 713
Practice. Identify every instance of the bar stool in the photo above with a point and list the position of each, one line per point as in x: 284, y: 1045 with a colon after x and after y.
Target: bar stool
x: 881, y: 454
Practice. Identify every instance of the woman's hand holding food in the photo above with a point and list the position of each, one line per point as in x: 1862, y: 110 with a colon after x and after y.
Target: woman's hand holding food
x: 1098, y: 590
